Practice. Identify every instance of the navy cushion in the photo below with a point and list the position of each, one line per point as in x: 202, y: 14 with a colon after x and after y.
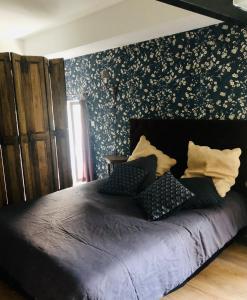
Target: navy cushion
x: 149, y: 165
x: 204, y: 190
x: 131, y: 177
x: 164, y: 196
x: 124, y: 180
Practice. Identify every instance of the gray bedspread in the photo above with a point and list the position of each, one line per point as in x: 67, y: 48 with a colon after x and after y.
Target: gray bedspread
x: 79, y: 244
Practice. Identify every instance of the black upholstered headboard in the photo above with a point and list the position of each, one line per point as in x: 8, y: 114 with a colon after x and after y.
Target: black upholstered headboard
x: 172, y: 137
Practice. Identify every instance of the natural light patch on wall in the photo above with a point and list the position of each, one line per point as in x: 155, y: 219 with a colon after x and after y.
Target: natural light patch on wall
x: 8, y: 45
x: 75, y: 138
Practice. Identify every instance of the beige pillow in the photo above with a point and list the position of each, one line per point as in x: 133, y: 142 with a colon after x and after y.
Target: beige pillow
x: 144, y: 148
x: 221, y: 165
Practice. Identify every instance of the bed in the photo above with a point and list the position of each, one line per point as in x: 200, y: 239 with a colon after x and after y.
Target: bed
x: 80, y: 244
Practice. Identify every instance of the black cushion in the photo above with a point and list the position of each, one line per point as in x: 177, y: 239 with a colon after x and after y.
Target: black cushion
x: 204, y: 190
x: 149, y: 165
x: 131, y: 177
x: 164, y: 196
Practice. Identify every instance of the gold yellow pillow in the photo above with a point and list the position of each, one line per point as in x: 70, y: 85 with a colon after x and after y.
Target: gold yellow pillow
x: 221, y: 165
x: 144, y: 148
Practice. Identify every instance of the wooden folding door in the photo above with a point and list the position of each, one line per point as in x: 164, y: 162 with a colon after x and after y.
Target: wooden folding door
x: 60, y: 127
x: 32, y: 110
x: 10, y: 165
x: 3, y: 195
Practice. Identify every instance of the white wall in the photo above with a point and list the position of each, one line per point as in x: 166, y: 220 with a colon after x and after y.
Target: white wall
x: 128, y: 22
x: 7, y: 45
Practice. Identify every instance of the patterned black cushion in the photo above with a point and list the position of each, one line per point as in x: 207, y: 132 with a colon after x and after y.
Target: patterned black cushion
x: 149, y: 165
x: 163, y: 196
x: 124, y: 180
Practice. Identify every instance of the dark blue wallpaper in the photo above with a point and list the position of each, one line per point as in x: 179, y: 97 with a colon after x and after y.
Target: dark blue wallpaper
x: 197, y: 74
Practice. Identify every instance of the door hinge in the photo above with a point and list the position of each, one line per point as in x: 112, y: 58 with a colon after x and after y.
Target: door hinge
x: 50, y: 68
x: 24, y: 65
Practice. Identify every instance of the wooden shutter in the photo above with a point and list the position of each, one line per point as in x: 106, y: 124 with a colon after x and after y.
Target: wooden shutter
x: 51, y: 125
x: 9, y: 134
x: 31, y: 101
x: 56, y: 67
x: 3, y: 195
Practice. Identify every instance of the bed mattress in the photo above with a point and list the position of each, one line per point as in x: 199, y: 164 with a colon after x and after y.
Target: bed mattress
x: 78, y: 244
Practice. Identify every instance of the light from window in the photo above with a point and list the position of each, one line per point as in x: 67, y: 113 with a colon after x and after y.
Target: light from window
x: 75, y: 138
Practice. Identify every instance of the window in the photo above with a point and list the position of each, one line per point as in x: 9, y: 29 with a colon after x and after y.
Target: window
x: 75, y: 137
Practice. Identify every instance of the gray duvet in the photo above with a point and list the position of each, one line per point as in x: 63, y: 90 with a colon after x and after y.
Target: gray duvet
x: 79, y: 244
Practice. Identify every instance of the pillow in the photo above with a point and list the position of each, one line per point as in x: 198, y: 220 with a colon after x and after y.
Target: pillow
x: 132, y: 177
x: 162, y: 197
x: 144, y: 148
x: 149, y: 165
x: 204, y: 190
x: 221, y: 165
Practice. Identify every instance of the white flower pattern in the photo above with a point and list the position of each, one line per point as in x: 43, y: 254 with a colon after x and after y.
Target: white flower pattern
x: 201, y: 74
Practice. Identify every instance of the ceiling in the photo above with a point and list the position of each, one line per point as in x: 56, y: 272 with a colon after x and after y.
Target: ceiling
x: 70, y: 28
x: 20, y: 18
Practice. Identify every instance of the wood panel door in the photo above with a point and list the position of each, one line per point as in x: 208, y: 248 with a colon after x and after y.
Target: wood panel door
x: 51, y: 125
x: 32, y: 109
x: 3, y: 194
x: 9, y: 134
x: 57, y: 81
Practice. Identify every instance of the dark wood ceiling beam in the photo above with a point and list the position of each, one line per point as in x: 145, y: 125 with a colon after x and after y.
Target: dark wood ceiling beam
x: 218, y: 9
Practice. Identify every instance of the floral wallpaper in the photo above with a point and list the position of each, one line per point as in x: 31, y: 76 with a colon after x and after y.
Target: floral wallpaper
x: 196, y: 74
